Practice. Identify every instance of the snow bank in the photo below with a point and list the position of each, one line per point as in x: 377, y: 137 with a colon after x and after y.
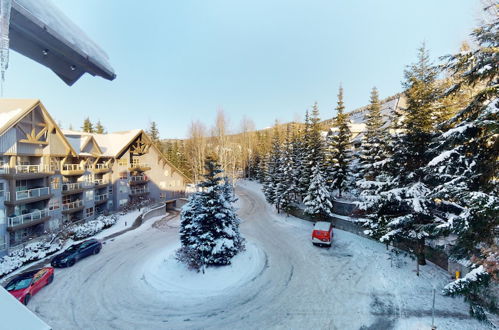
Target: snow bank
x: 92, y: 227
x: 170, y: 278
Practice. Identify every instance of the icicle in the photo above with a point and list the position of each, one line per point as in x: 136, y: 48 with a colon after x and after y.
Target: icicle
x: 5, y: 6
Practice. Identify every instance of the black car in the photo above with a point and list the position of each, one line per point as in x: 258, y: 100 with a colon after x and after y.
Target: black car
x: 76, y: 252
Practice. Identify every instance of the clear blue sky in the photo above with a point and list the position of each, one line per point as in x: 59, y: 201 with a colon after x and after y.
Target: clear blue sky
x: 181, y: 60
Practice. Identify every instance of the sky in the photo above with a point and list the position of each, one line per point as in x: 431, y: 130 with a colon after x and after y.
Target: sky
x: 178, y: 61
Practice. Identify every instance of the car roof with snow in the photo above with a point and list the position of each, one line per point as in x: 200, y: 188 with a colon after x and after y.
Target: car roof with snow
x: 322, y: 225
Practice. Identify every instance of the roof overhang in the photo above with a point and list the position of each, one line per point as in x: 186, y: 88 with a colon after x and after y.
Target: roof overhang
x: 39, y: 30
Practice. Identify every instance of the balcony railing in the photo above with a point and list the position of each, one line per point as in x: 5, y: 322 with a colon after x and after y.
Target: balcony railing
x: 101, y: 197
x: 101, y: 167
x: 72, y: 186
x: 138, y: 178
x: 73, y: 167
x: 72, y: 205
x: 25, y: 169
x: 99, y: 182
x: 32, y: 193
x: 27, y: 218
x: 139, y: 191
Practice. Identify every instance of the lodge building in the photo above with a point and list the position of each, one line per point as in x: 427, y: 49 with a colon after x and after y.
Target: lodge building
x: 51, y: 177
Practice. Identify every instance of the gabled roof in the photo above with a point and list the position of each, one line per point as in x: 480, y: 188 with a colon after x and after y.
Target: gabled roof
x: 79, y: 140
x: 14, y: 110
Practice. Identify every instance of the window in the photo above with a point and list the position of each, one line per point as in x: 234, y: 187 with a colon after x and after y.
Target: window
x: 122, y: 162
x: 2, y: 221
x: 89, y: 195
x: 55, y: 182
x: 54, y: 204
x: 21, y: 185
x: 2, y: 190
x: 123, y: 189
x: 89, y: 212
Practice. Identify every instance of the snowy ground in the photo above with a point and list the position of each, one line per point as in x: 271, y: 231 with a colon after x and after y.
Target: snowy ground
x: 281, y: 282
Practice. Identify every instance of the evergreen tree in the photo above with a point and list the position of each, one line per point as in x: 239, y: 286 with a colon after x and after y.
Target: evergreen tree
x: 87, y: 126
x: 405, y: 206
x: 304, y: 162
x: 464, y: 171
x: 153, y: 132
x: 99, y: 129
x: 273, y: 168
x: 318, y: 199
x: 209, y: 228
x: 340, y: 149
x: 285, y: 181
x: 372, y: 152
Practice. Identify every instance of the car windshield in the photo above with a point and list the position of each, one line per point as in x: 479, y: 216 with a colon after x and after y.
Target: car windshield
x: 72, y: 248
x: 18, y: 284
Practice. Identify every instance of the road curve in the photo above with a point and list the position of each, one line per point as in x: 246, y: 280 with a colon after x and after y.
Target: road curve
x: 300, y: 287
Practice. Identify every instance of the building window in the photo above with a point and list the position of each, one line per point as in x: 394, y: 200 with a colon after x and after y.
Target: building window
x: 89, y: 195
x: 123, y: 189
x: 55, y: 183
x: 2, y: 190
x: 2, y: 218
x: 54, y: 204
x: 89, y: 212
x: 122, y: 162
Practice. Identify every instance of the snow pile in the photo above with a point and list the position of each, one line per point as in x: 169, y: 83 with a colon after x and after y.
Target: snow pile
x: 476, y: 275
x: 172, y: 279
x: 31, y: 252
x: 93, y: 227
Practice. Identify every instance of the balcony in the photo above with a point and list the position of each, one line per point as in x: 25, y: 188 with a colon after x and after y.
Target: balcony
x: 138, y: 179
x: 99, y: 199
x: 101, y: 168
x: 72, y: 188
x: 139, y: 167
x: 72, y: 207
x: 28, y: 196
x: 27, y: 220
x: 139, y: 191
x: 100, y: 183
x: 27, y: 171
x: 72, y: 169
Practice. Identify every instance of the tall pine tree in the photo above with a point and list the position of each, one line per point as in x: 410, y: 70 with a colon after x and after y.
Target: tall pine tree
x: 340, y: 149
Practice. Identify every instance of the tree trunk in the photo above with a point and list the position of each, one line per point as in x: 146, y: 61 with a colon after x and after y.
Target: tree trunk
x: 420, y: 251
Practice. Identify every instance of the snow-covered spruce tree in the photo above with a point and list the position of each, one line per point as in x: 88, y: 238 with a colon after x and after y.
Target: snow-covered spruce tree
x: 318, y: 199
x: 273, y: 167
x: 406, y: 206
x: 464, y: 169
x: 339, y: 149
x: 209, y: 223
x: 297, y: 159
x: 372, y: 153
x: 285, y: 181
x: 303, y: 164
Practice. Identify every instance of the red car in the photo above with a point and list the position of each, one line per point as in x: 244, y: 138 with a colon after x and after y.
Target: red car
x: 24, y: 286
x: 322, y: 233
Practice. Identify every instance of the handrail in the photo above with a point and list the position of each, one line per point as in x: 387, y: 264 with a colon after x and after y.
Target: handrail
x: 72, y: 167
x: 138, y: 178
x: 72, y: 186
x: 101, y: 197
x: 72, y: 205
x: 26, y: 218
x: 32, y: 193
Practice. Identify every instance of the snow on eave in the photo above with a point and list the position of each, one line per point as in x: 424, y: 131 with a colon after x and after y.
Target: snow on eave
x: 14, y: 315
x: 38, y: 24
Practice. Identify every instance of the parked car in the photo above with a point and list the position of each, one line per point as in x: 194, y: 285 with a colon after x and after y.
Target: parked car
x: 322, y: 233
x: 26, y: 285
x: 76, y: 252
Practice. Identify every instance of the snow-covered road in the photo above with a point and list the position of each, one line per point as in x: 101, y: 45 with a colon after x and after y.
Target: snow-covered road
x: 299, y: 286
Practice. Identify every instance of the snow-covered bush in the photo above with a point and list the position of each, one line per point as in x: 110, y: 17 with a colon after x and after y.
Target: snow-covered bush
x: 31, y: 252
x: 93, y: 227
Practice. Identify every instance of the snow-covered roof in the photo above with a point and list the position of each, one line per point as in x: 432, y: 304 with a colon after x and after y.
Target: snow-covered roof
x: 40, y: 31
x: 110, y: 144
x: 15, y: 316
x: 322, y: 225
x: 13, y: 109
